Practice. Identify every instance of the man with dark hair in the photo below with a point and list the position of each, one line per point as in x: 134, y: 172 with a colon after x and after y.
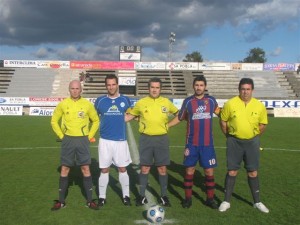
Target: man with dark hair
x: 198, y: 111
x: 113, y: 147
x: 71, y: 123
x: 243, y: 120
x: 153, y: 112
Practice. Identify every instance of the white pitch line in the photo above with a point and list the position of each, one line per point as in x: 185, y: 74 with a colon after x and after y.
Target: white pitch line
x: 25, y: 148
x: 166, y: 221
x: 269, y: 149
x: 174, y: 146
x: 135, y: 159
x: 132, y: 145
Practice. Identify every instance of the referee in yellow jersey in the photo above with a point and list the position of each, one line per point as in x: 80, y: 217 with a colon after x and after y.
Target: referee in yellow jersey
x: 243, y: 120
x: 71, y: 123
x: 153, y: 112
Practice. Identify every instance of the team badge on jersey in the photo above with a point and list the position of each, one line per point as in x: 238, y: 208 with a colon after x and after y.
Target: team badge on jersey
x: 113, y: 108
x: 80, y: 114
x: 201, y: 109
x: 164, y: 109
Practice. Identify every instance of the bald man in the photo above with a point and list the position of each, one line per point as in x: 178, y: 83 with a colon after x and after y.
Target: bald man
x: 71, y: 123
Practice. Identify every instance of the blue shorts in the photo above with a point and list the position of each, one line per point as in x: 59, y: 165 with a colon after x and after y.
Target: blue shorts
x: 205, y: 155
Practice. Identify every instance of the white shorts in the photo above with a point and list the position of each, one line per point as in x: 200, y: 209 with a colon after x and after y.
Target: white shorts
x: 116, y: 152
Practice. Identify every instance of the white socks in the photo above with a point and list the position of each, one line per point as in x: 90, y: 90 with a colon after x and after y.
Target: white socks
x: 103, y: 182
x: 124, y: 181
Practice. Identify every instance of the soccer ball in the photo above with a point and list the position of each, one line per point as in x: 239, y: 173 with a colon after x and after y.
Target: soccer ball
x: 156, y: 214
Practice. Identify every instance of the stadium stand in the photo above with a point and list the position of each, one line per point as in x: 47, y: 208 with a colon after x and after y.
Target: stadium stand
x: 269, y: 84
x: 94, y: 82
x: 6, y: 75
x: 220, y: 84
x: 61, y: 81
x: 173, y: 82
x: 29, y: 81
x: 32, y: 82
x: 26, y: 82
x: 294, y: 80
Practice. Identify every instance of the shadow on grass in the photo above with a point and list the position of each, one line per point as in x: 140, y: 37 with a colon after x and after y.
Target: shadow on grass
x: 199, y: 182
x: 113, y: 182
x: 76, y: 177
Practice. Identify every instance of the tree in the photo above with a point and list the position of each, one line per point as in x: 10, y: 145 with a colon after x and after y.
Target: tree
x: 256, y: 55
x: 193, y: 57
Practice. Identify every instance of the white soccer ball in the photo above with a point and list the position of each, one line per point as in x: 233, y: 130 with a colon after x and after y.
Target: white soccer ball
x: 156, y: 214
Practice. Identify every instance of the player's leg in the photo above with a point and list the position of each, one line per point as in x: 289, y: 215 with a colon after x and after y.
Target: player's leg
x: 87, y: 182
x: 229, y: 184
x: 105, y: 154
x: 191, y: 158
x: 102, y: 185
x: 188, y: 186
x: 143, y: 181
x: 63, y: 182
x: 234, y: 155
x: 208, y: 160
x: 161, y: 160
x: 146, y: 158
x: 124, y: 181
x: 253, y: 182
x: 83, y: 158
x: 163, y: 181
x: 210, y: 188
x: 252, y: 164
x: 122, y: 159
x: 67, y: 160
x: 88, y: 186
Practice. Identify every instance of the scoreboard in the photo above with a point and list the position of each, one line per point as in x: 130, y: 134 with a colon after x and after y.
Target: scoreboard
x: 130, y: 53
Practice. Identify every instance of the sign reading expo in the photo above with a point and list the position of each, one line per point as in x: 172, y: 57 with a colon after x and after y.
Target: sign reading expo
x: 130, y: 52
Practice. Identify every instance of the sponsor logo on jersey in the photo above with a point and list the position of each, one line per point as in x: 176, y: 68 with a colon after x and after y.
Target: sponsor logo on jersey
x: 201, y: 114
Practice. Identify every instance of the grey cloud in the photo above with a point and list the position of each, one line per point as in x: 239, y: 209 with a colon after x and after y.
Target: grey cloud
x: 105, y: 24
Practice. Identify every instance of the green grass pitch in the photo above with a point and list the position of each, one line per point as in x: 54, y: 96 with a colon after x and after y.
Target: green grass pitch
x: 29, y: 161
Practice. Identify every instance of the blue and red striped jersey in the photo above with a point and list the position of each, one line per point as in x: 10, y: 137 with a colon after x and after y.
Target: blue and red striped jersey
x: 199, y: 114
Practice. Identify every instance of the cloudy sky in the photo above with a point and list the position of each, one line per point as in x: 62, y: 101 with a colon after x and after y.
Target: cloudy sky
x: 221, y: 30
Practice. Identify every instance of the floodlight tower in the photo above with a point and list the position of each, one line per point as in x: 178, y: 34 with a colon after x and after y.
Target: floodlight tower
x: 171, y: 41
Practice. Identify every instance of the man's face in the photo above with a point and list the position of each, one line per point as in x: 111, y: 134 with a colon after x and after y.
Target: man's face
x: 246, y: 92
x: 199, y: 88
x: 75, y: 90
x: 112, y: 87
x: 154, y: 89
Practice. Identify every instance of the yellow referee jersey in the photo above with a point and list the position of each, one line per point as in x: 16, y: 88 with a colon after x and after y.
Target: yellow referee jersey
x: 75, y: 118
x: 243, y: 120
x: 153, y: 114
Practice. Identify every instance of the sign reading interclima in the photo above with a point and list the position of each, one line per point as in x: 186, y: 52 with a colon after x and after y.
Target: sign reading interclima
x: 20, y: 63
